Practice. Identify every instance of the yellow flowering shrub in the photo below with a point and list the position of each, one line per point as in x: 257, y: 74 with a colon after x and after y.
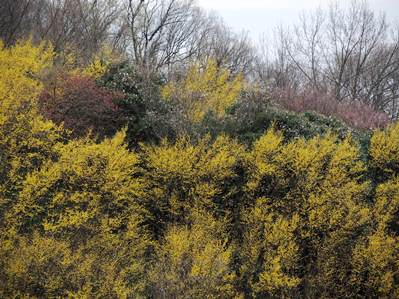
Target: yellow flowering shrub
x: 375, y: 265
x: 183, y: 175
x: 21, y: 67
x: 204, y: 90
x: 384, y: 152
x: 107, y: 265
x: 313, y: 191
x: 376, y: 259
x: 95, y: 67
x: 26, y: 140
x: 87, y: 202
x: 270, y: 250
x: 88, y: 189
x: 193, y: 262
x: 38, y: 266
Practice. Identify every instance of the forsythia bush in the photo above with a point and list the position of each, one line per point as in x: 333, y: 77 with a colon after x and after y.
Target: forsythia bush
x: 95, y: 67
x: 26, y: 139
x: 190, y: 218
x: 204, y: 90
x: 85, y: 204
x: 193, y: 262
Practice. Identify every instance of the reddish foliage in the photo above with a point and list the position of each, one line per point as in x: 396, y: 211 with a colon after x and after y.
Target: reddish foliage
x: 79, y: 103
x: 354, y: 113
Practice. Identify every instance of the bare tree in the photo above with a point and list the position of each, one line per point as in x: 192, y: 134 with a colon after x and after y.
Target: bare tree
x: 230, y: 50
x: 160, y: 33
x: 82, y: 24
x: 274, y: 67
x: 305, y: 52
x: 15, y: 19
x: 349, y: 53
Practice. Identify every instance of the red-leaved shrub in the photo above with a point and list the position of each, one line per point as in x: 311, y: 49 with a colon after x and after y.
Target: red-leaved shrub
x: 354, y: 113
x: 82, y: 105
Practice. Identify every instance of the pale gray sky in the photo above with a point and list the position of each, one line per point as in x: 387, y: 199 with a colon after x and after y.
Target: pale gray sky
x: 258, y: 16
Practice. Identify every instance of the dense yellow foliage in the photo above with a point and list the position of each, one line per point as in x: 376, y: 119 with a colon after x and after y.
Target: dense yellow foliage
x: 274, y: 272
x: 26, y: 140
x: 98, y: 64
x: 384, y: 150
x: 193, y: 262
x: 376, y: 259
x: 206, y: 218
x: 21, y: 67
x: 183, y: 175
x: 95, y: 67
x: 310, y: 197
x: 82, y: 211
x: 204, y: 90
x: 87, y: 183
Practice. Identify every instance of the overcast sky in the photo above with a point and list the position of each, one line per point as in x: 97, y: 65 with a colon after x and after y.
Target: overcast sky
x: 258, y: 16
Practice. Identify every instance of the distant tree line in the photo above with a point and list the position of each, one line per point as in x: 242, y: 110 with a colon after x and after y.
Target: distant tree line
x: 157, y: 35
x: 351, y: 54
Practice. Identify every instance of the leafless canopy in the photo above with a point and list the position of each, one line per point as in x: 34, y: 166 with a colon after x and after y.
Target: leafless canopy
x: 160, y: 34
x: 352, y: 53
x: 82, y: 24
